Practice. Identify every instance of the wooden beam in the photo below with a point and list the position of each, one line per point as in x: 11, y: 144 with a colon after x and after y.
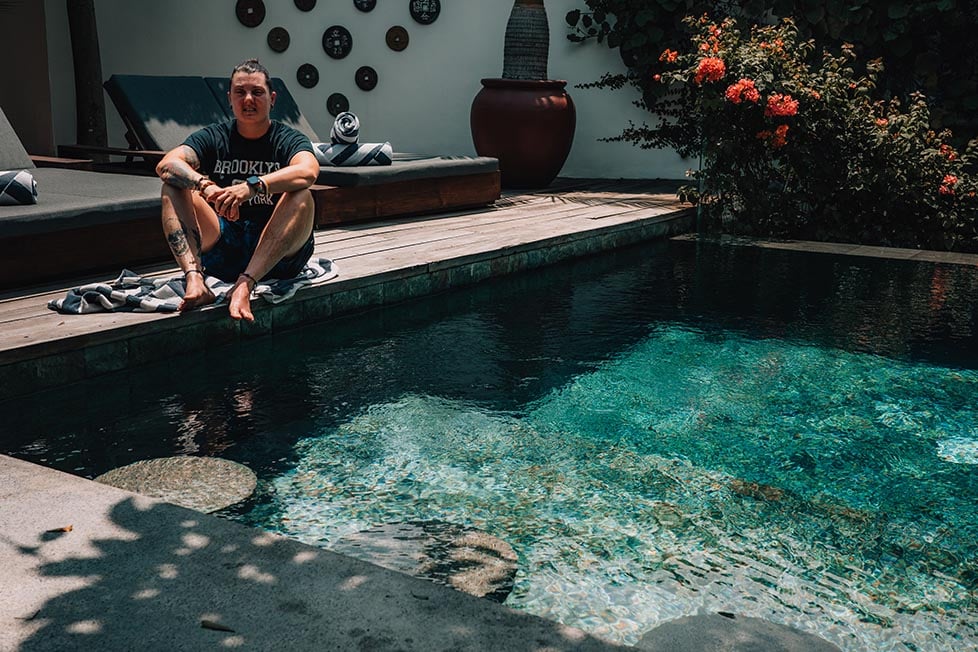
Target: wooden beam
x: 32, y: 259
x: 336, y: 205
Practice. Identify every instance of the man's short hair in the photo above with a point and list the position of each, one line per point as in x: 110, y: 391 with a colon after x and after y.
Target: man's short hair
x: 250, y: 66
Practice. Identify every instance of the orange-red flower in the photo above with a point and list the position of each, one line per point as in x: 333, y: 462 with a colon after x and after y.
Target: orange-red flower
x: 882, y: 122
x: 669, y: 56
x: 777, y: 138
x: 948, y: 152
x: 780, y: 106
x: 710, y: 69
x: 947, y: 184
x: 741, y: 91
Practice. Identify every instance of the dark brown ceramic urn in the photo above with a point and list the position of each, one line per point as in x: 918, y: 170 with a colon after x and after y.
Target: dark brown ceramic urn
x: 524, y: 119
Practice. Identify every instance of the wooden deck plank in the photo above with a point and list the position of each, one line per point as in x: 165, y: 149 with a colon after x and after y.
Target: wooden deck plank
x: 374, y: 252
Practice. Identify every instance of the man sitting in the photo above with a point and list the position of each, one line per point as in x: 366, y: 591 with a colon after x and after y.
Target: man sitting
x: 236, y: 199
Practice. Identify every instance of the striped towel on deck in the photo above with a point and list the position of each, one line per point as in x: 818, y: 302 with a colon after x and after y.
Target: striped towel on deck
x: 354, y: 154
x: 344, y: 150
x: 133, y: 293
x: 346, y: 129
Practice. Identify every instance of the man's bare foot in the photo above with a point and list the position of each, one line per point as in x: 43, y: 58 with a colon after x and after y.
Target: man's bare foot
x: 196, y: 294
x: 240, y: 306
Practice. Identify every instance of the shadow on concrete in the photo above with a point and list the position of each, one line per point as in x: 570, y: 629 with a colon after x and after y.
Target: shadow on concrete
x: 137, y: 574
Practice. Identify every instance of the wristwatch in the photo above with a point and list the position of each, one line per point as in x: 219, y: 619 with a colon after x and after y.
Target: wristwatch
x: 257, y: 185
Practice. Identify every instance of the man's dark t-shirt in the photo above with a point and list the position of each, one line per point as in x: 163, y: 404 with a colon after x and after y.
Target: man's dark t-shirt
x: 227, y: 158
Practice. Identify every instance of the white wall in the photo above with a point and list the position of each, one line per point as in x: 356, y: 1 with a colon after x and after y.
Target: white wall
x: 421, y: 103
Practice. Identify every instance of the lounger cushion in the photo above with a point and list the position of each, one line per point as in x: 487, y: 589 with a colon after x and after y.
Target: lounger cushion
x: 74, y: 198
x: 17, y: 187
x: 13, y: 156
x: 162, y: 111
x: 407, y: 167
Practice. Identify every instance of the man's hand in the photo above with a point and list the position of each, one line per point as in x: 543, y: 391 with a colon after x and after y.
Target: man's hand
x: 227, y: 201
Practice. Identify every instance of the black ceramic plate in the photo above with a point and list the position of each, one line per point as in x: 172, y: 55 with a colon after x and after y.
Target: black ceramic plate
x: 308, y: 75
x: 278, y: 39
x: 305, y: 5
x: 397, y: 38
x: 366, y: 78
x: 425, y: 11
x: 337, y: 41
x: 365, y: 5
x: 337, y: 104
x: 250, y: 13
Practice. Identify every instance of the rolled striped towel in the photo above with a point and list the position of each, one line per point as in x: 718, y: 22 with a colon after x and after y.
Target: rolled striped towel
x: 354, y: 154
x: 17, y: 187
x: 346, y: 129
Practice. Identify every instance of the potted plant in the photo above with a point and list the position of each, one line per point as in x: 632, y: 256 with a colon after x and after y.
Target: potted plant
x: 524, y: 119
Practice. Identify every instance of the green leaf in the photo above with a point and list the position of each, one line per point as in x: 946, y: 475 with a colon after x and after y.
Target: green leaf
x: 754, y: 7
x: 898, y: 10
x: 815, y: 14
x: 644, y: 17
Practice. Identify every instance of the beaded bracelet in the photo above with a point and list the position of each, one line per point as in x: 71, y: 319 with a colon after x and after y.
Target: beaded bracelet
x: 250, y: 278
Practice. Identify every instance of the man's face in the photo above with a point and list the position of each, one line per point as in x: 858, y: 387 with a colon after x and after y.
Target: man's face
x: 251, y: 99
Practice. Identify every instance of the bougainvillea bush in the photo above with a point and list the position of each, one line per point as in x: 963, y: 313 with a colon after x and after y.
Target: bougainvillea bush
x: 794, y: 143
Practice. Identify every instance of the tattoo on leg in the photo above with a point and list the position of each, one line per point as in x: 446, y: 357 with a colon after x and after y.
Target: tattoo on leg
x: 178, y: 242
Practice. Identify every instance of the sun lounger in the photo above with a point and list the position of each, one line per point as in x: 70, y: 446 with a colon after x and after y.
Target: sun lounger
x: 160, y: 111
x: 82, y: 222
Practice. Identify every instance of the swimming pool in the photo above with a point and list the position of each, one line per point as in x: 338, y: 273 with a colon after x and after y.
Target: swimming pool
x: 669, y: 429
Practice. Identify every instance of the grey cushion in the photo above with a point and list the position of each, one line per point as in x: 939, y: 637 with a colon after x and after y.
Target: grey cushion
x: 13, y: 156
x: 406, y: 167
x: 69, y: 199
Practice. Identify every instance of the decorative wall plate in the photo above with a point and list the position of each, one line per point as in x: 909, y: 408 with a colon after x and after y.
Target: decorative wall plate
x: 250, y: 13
x: 365, y: 5
x: 337, y: 41
x: 366, y: 78
x: 337, y: 104
x: 305, y: 5
x: 397, y: 38
x: 308, y: 75
x: 278, y: 39
x: 425, y: 11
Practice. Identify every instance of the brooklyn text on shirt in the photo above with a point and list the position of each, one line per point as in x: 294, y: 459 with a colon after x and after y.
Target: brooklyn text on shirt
x: 245, y: 167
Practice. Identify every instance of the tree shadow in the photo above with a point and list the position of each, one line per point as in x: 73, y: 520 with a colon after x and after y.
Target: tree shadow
x: 152, y: 576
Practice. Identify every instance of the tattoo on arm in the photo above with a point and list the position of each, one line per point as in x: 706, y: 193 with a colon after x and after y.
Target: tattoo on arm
x: 181, y: 172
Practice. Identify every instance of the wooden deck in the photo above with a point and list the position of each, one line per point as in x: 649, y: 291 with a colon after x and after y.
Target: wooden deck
x: 379, y: 262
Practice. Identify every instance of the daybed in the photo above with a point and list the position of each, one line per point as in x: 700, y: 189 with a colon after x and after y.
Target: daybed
x: 65, y: 233
x: 160, y: 111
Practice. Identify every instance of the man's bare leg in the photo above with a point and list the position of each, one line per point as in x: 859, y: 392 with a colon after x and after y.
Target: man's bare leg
x: 286, y: 232
x: 190, y: 226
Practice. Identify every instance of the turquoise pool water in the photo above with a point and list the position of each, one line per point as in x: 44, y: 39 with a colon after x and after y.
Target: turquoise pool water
x: 671, y: 430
